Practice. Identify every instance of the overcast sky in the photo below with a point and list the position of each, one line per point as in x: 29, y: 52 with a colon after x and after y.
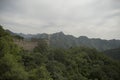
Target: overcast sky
x: 92, y: 18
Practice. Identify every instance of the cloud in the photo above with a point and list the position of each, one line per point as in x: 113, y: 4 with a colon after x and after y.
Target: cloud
x: 92, y: 18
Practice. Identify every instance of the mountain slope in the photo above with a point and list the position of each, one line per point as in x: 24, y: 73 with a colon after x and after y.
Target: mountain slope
x: 44, y: 63
x: 61, y: 40
x: 113, y: 53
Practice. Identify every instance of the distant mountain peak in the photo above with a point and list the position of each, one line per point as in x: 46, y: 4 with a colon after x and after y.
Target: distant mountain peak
x: 62, y: 40
x: 84, y: 37
x: 59, y: 33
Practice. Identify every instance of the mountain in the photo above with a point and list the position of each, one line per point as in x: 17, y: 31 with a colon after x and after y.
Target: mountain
x: 10, y: 32
x: 67, y: 41
x: 46, y: 63
x: 113, y: 53
x: 60, y: 40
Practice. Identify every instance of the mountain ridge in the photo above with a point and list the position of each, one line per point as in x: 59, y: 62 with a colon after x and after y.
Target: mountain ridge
x: 61, y: 40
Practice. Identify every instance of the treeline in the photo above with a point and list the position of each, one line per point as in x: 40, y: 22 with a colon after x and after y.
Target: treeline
x: 46, y: 63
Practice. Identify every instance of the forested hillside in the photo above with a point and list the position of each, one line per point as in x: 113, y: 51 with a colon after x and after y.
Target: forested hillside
x: 113, y: 53
x: 46, y: 63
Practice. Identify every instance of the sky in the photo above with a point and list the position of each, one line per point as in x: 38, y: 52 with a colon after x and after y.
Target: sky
x: 92, y: 18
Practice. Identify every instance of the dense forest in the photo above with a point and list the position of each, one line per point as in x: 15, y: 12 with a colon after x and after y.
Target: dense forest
x: 113, y: 53
x: 46, y: 63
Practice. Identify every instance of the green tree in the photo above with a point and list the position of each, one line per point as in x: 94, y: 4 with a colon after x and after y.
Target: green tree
x: 40, y: 73
x: 11, y: 68
x: 42, y: 46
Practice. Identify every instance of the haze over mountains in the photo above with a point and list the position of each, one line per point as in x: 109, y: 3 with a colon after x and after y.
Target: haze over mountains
x: 47, y: 63
x: 61, y: 40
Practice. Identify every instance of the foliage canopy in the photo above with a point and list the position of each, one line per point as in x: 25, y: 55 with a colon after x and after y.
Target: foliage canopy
x: 44, y: 63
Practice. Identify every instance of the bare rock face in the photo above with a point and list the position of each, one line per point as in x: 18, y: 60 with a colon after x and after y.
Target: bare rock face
x: 25, y: 44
